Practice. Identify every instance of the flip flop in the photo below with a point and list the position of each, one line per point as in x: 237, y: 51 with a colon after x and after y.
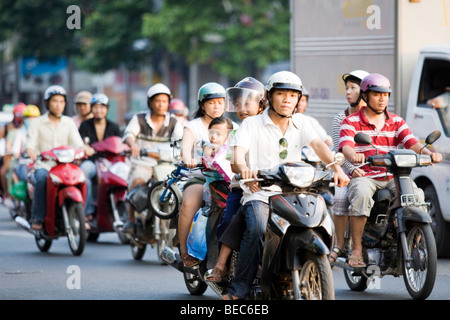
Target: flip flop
x: 189, y: 261
x: 356, y: 262
x: 216, y: 275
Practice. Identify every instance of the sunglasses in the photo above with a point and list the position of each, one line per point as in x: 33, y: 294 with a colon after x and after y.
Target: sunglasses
x: 284, y: 152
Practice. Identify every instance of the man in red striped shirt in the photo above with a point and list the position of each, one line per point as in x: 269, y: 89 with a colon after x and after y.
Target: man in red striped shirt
x: 387, y: 131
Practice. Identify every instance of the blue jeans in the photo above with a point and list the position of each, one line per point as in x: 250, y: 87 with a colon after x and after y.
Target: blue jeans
x: 39, y: 206
x: 233, y: 205
x: 250, y: 254
x: 90, y: 172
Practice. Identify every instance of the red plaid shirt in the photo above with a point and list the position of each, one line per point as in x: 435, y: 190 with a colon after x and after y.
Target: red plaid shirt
x: 394, y: 133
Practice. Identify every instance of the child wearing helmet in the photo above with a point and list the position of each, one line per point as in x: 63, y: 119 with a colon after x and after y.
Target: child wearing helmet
x: 352, y: 81
x: 277, y: 131
x: 179, y: 109
x: 152, y: 130
x: 388, y: 131
x: 246, y: 98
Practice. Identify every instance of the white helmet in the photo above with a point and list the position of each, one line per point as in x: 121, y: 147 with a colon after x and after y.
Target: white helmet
x: 284, y: 80
x: 53, y: 91
x: 355, y: 74
x: 158, y: 89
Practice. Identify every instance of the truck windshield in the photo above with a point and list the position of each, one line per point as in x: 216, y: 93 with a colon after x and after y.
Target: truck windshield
x: 434, y: 90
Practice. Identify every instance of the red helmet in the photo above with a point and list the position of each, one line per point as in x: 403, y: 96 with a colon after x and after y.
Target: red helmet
x: 19, y: 110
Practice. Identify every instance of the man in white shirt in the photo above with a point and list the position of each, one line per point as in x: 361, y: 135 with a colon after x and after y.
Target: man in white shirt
x: 263, y: 142
x: 46, y: 132
x: 153, y: 131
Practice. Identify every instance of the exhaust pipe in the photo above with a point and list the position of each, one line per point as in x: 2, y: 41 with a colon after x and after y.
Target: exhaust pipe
x: 173, y: 259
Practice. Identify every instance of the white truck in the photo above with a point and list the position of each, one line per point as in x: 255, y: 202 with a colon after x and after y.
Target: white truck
x: 406, y: 40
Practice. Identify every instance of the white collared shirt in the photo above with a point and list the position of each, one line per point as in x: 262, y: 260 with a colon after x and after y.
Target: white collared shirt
x: 42, y: 135
x: 260, y: 137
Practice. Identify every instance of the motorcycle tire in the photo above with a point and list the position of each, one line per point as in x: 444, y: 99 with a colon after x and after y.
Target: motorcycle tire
x: 138, y: 252
x: 355, y: 281
x: 195, y: 286
x: 316, y: 279
x: 43, y: 244
x: 419, y: 278
x: 166, y: 209
x: 77, y: 235
x: 122, y: 208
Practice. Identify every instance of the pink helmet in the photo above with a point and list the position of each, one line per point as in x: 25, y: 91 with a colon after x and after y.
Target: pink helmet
x: 376, y: 82
x: 177, y: 106
x: 19, y: 110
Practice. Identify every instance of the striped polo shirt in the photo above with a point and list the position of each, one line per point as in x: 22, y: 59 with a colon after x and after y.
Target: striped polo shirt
x: 394, y: 133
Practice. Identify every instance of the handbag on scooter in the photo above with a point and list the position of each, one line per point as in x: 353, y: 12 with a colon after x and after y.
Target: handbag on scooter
x: 196, y: 241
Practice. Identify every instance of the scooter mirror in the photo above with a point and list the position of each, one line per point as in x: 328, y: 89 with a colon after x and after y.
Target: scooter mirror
x: 432, y: 137
x: 339, y: 158
x: 362, y: 138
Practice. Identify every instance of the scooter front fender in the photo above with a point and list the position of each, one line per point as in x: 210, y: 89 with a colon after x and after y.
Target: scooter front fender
x: 70, y: 192
x: 411, y: 213
x: 300, y: 241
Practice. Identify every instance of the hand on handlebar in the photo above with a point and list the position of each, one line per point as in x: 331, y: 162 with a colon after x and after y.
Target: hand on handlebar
x: 135, y: 151
x: 436, y: 157
x: 358, y: 158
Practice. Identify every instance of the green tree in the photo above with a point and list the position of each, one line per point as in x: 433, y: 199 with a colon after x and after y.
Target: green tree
x: 110, y: 33
x: 237, y: 37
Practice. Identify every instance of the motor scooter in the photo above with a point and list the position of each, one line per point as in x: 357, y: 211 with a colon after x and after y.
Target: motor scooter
x: 110, y: 187
x: 298, y: 237
x: 66, y: 193
x: 150, y: 228
x: 397, y: 239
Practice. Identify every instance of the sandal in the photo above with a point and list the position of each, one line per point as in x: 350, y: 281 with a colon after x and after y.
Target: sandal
x: 338, y: 253
x: 216, y: 275
x: 189, y: 261
x: 356, y: 262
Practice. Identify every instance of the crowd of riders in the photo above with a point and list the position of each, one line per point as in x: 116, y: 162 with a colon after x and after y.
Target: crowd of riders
x: 270, y: 128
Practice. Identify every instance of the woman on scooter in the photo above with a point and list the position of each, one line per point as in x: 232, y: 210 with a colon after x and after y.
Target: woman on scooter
x: 246, y: 98
x: 94, y: 130
x: 211, y: 101
x: 352, y: 81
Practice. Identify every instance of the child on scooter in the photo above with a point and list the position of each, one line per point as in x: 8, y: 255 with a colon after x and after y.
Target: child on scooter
x: 246, y: 98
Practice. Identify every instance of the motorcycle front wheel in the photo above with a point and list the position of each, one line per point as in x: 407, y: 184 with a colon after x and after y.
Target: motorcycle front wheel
x: 43, y: 244
x: 194, y: 284
x: 77, y: 232
x: 166, y: 209
x: 420, y: 274
x: 315, y: 281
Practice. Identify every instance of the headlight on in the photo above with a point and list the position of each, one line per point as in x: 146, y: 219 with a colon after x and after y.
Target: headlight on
x: 406, y: 160
x: 300, y: 176
x: 65, y: 155
x: 121, y: 170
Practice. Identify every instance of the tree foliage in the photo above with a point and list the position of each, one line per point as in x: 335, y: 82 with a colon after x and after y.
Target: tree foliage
x: 238, y: 37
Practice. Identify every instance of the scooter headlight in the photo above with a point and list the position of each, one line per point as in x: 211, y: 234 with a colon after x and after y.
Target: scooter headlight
x: 121, y: 170
x: 300, y: 176
x: 65, y: 156
x: 406, y: 160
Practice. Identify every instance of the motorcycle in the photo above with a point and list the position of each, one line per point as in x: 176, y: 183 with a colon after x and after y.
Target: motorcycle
x: 398, y: 239
x: 297, y: 241
x: 150, y: 228
x: 66, y: 193
x: 110, y: 186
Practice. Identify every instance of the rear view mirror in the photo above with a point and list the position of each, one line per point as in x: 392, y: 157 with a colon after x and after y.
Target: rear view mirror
x: 362, y: 138
x: 339, y: 158
x: 432, y: 137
